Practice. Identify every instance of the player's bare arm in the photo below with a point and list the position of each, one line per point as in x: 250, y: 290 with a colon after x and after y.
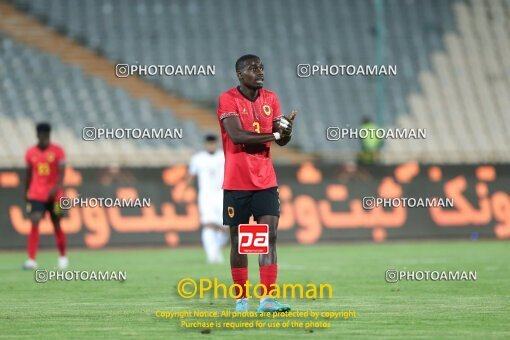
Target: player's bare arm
x: 28, y: 179
x: 240, y: 136
x: 60, y: 182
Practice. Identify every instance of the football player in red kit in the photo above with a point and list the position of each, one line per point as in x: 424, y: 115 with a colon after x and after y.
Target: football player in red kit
x: 45, y: 175
x: 250, y: 121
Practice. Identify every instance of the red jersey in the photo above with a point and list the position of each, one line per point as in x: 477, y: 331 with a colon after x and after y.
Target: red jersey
x: 248, y: 167
x: 45, y: 171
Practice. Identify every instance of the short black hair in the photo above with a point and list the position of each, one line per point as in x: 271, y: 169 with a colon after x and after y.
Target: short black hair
x: 210, y: 138
x: 366, y: 120
x: 43, y: 127
x: 242, y: 61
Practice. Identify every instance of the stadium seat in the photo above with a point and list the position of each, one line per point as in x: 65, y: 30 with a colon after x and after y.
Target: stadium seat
x: 459, y: 47
x: 70, y: 101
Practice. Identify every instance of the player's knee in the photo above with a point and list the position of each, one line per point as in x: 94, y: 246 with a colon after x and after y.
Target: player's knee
x: 234, y: 240
x: 234, y: 237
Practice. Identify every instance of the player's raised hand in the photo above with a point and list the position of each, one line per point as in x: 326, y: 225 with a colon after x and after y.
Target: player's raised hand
x: 286, y: 123
x: 292, y: 116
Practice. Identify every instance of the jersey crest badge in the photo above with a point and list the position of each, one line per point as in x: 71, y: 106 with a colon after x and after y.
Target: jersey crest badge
x: 267, y: 109
x: 50, y: 157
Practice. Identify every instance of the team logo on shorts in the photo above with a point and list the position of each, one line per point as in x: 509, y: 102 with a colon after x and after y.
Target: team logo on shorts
x: 244, y: 111
x: 267, y: 109
x: 230, y: 211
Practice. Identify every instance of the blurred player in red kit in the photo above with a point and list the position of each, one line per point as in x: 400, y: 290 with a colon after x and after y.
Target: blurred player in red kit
x: 250, y: 120
x: 44, y: 182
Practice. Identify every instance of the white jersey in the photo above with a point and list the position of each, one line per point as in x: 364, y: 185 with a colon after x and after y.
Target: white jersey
x: 209, y: 169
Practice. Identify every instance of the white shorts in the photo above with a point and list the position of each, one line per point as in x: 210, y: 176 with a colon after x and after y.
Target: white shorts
x: 211, y: 209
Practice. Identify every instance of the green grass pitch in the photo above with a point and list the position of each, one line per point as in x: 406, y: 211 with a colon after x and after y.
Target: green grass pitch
x: 408, y: 309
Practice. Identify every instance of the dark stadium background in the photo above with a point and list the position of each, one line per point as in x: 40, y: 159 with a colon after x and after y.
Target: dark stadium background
x: 453, y: 80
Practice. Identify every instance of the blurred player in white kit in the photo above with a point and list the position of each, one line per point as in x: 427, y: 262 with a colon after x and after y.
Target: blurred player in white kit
x: 208, y: 166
